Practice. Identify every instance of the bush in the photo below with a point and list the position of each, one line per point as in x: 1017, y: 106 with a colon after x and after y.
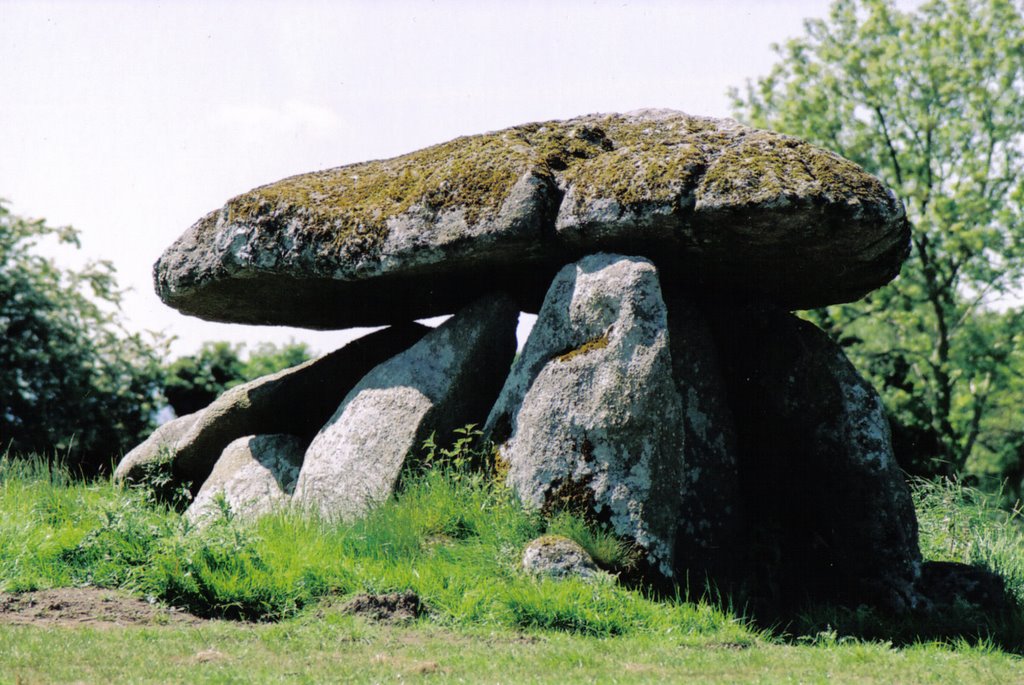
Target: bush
x: 73, y: 381
x: 194, y: 381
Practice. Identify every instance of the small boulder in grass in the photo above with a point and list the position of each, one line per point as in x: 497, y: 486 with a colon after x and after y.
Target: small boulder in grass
x: 946, y: 585
x: 557, y: 556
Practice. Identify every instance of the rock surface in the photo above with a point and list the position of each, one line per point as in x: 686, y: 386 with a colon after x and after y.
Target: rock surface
x: 590, y: 419
x: 948, y: 587
x: 710, y: 538
x: 558, y: 556
x: 829, y: 513
x: 737, y: 211
x: 158, y: 448
x: 295, y: 401
x: 254, y: 475
x: 448, y: 379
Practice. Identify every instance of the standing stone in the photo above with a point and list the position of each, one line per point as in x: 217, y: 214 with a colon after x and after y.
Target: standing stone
x: 254, y: 474
x: 590, y: 418
x: 710, y: 539
x: 830, y: 515
x: 155, y: 450
x: 295, y: 401
x: 446, y: 380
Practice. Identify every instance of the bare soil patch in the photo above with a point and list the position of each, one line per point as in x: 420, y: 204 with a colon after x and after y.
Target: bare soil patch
x: 398, y: 607
x: 87, y: 606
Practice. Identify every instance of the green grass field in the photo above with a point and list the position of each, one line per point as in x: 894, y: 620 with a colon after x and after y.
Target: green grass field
x: 275, y: 589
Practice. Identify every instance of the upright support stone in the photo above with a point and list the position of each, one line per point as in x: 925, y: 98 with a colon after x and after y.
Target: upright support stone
x: 830, y: 514
x: 254, y: 474
x: 156, y: 450
x: 296, y: 401
x: 710, y: 539
x: 590, y: 418
x: 446, y: 380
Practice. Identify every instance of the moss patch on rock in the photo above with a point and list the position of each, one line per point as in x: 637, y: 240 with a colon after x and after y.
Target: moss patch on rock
x: 630, y: 160
x: 764, y: 166
x: 598, y: 343
x: 648, y: 161
x: 481, y: 199
x: 574, y: 496
x: 353, y: 203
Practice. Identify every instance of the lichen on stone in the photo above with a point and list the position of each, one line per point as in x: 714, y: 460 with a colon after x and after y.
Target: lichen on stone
x: 629, y: 160
x: 598, y: 343
x: 500, y: 466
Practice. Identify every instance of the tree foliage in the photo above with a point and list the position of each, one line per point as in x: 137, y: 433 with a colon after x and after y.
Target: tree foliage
x: 267, y: 358
x: 73, y: 382
x: 194, y: 381
x: 931, y: 102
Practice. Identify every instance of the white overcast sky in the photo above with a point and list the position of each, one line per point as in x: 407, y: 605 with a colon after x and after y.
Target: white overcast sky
x: 130, y: 120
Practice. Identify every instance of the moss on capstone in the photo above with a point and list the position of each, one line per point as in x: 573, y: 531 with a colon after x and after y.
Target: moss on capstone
x: 650, y: 161
x: 354, y: 202
x: 763, y: 166
x: 632, y: 160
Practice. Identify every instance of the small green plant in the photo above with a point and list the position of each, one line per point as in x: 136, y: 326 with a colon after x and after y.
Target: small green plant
x: 159, y: 484
x: 223, y: 507
x: 117, y: 551
x: 470, y: 458
x: 464, y: 455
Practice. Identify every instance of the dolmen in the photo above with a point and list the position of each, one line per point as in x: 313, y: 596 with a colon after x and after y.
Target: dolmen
x: 666, y: 390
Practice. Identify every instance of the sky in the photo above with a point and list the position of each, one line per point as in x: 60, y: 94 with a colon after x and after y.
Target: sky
x: 131, y: 120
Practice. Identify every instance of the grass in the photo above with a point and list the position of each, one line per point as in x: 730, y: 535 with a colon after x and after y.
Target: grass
x: 966, y: 525
x: 331, y: 647
x: 454, y: 539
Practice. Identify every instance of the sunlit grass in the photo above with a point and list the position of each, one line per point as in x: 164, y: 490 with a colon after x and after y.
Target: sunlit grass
x: 452, y: 537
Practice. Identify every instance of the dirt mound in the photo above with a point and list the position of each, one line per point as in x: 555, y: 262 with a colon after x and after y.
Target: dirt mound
x: 396, y: 607
x: 87, y: 606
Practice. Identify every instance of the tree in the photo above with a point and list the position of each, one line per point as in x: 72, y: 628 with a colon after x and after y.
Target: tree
x: 73, y: 382
x: 268, y: 358
x: 194, y: 381
x: 930, y: 101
